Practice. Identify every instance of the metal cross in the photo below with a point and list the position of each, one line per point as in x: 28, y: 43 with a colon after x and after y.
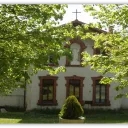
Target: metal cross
x: 76, y: 13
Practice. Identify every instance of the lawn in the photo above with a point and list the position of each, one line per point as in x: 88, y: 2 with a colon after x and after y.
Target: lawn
x: 45, y: 116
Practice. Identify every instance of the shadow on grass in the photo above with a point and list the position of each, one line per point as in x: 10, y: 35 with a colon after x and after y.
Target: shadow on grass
x: 39, y: 118
x: 29, y: 117
x: 52, y: 117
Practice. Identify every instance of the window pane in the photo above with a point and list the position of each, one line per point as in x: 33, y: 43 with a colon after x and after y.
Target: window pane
x: 97, y: 88
x: 103, y: 93
x: 97, y: 93
x: 97, y: 82
x: 74, y: 82
x: 71, y: 92
x: 48, y: 82
x: 100, y: 92
x: 44, y: 97
x: 77, y: 92
x: 74, y: 88
x: 48, y: 89
x: 50, y: 97
x: 44, y: 93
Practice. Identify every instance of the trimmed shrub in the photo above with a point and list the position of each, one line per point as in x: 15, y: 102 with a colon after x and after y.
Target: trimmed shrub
x: 71, y: 109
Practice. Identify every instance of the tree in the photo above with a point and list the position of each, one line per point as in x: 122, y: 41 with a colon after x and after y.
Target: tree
x: 114, y: 44
x: 28, y: 37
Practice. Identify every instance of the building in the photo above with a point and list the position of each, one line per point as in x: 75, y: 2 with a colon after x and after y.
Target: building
x: 51, y: 91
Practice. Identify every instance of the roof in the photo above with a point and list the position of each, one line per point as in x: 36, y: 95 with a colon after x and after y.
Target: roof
x: 77, y: 22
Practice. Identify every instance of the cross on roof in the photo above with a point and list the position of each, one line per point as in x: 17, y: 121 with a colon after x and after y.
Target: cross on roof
x: 76, y: 13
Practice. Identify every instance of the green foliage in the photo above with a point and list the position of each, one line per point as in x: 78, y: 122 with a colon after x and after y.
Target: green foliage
x: 115, y: 44
x: 71, y: 109
x: 28, y: 37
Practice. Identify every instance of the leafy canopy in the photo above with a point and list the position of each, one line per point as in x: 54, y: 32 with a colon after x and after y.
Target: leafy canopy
x: 28, y: 37
x: 114, y: 44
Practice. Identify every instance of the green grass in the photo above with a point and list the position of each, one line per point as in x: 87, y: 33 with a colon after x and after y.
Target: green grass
x: 29, y: 117
x: 51, y: 116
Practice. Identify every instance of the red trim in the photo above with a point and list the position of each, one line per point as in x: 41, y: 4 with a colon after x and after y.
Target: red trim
x: 94, y: 93
x: 40, y: 101
x: 82, y: 47
x: 81, y: 86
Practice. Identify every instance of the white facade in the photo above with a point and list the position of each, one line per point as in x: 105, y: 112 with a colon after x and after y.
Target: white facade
x: 16, y: 99
x: 33, y: 90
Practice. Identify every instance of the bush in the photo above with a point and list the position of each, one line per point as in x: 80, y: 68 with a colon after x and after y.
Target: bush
x: 71, y: 109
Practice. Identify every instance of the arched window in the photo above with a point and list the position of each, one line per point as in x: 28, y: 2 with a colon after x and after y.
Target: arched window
x: 77, y: 46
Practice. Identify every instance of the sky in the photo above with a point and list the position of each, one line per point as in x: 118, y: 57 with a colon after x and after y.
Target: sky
x: 83, y: 16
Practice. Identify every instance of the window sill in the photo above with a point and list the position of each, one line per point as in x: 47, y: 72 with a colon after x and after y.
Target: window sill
x: 100, y: 104
x: 88, y: 102
x: 47, y: 104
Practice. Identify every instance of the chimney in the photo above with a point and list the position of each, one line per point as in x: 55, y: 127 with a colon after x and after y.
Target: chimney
x: 110, y: 29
